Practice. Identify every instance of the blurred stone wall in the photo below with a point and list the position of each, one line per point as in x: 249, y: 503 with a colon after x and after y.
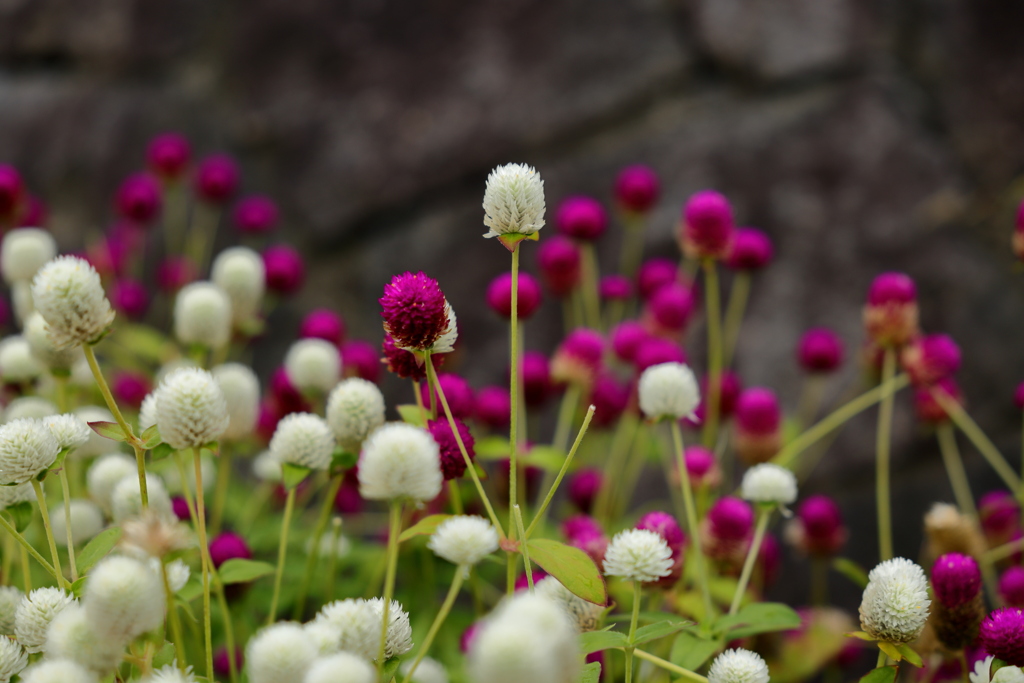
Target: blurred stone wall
x: 862, y: 135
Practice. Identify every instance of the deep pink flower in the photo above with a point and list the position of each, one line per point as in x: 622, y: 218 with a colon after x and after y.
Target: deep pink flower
x: 956, y: 579
x: 12, y: 191
x: 579, y: 356
x: 769, y: 559
x: 180, y: 507
x: 1002, y: 635
x: 255, y: 215
x: 654, y: 274
x: 216, y: 178
x: 453, y: 465
x: 701, y: 466
x: 130, y: 297
x: 729, y: 389
x: 580, y: 524
x: 582, y: 218
x: 927, y: 408
x: 637, y: 188
x: 758, y: 412
x: 930, y: 357
x: 285, y: 269
x: 536, y: 373
x: 891, y: 315
x: 626, y: 338
x: 522, y: 583
x: 671, y: 307
x: 404, y: 364
x: 1018, y: 396
x: 323, y: 323
x: 348, y: 501
x: 609, y: 398
x: 999, y: 514
x: 168, y: 155
x: 819, y: 525
x: 287, y: 398
x: 593, y: 544
x: 360, y: 358
x: 707, y: 225
x: 499, y: 295
x: 1011, y: 586
x: 559, y: 261
x: 584, y: 485
x: 615, y: 288
x: 457, y: 392
x: 656, y: 350
x: 820, y: 350
x: 666, y: 526
x: 228, y: 546
x: 138, y: 198
x: 413, y: 308
x: 130, y: 388
x: 730, y: 519
x: 751, y: 249
x: 175, y: 272
x: 493, y: 407
x: 222, y: 663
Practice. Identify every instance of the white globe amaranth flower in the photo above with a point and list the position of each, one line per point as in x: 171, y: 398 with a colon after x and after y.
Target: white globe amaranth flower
x: 399, y: 636
x: 170, y: 673
x: 513, y: 201
x: 69, y: 430
x: 202, y: 315
x: 241, y: 390
x: 177, y: 572
x: 585, y: 615
x: 313, y: 365
x: 72, y: 635
x: 303, y: 439
x: 446, y: 342
x: 124, y: 598
x: 43, y: 349
x: 464, y: 539
x: 23, y: 252
x: 738, y: 666
x: 96, y: 445
x: 58, y: 671
x: 17, y: 363
x: 668, y: 390
x: 429, y: 671
x: 21, y: 297
x: 34, y: 614
x: 354, y: 409
x: 12, y: 495
x: 328, y: 546
x: 341, y: 667
x: 191, y: 409
x: 1006, y: 674
x: 324, y: 635
x: 266, y: 467
x: 400, y: 461
x: 126, y: 498
x: 26, y: 448
x: 13, y: 658
x: 86, y: 522
x: 895, y: 604
x: 68, y: 293
x: 357, y: 625
x: 638, y: 555
x: 982, y: 669
x: 240, y: 273
x: 105, y: 474
x: 10, y: 598
x: 527, y: 638
x: 147, y: 412
x: 769, y: 483
x: 281, y: 653
x: 25, y: 407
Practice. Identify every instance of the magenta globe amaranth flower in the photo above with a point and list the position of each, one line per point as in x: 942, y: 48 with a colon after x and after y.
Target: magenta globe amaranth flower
x: 891, y: 314
x: 174, y: 272
x: 457, y: 392
x: 536, y: 377
x: 1011, y: 586
x: 637, y: 188
x: 820, y: 350
x: 1002, y: 635
x: 750, y: 250
x: 701, y: 467
x: 956, y: 580
x: 255, y: 215
x: 670, y: 308
x: 707, y: 225
x: 666, y: 526
x: 216, y: 178
x: 130, y: 388
x: 758, y: 424
x: 999, y: 515
x: 12, y: 192
x: 180, y: 507
x: 229, y: 546
x: 559, y: 262
x: 359, y: 358
x: 499, y: 295
x: 609, y: 398
x: 654, y: 274
x: 818, y: 528
x: 415, y: 311
x: 323, y: 324
x: 928, y: 409
x: 453, y: 465
x: 580, y: 524
x: 130, y: 297
x: 594, y: 544
x: 615, y: 288
x: 584, y: 486
x: 726, y: 530
x: 581, y: 218
x: 138, y: 199
x: 404, y: 363
x: 222, y: 663
x: 626, y: 337
x: 655, y: 351
x: 931, y: 357
x: 729, y: 390
x: 285, y: 269
x: 168, y: 155
x: 578, y: 358
x: 492, y: 407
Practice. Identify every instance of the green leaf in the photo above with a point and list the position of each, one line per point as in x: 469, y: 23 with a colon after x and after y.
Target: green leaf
x: 891, y: 650
x: 238, y: 570
x: 591, y: 673
x: 411, y: 414
x: 909, y: 655
x: 22, y: 515
x: 851, y: 570
x: 191, y: 590
x: 342, y: 460
x: 691, y: 651
x: 98, y: 548
x: 883, y: 674
x: 161, y: 451
x: 424, y: 527
x: 595, y: 641
x: 389, y: 668
x: 151, y: 438
x: 658, y: 630
x: 109, y: 430
x: 59, y: 462
x: 293, y: 475
x: 165, y: 656
x: 758, y: 617
x: 492, y: 448
x: 546, y: 457
x: 78, y: 587
x: 861, y: 635
x: 572, y: 567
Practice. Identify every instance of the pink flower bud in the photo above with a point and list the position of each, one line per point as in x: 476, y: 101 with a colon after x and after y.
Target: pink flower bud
x: 285, y: 270
x: 581, y: 218
x: 360, y: 359
x: 228, y: 546
x: 654, y: 274
x: 615, y: 288
x: 956, y: 579
x: 609, y: 398
x: 130, y: 297
x: 578, y: 358
x: 130, y: 388
x: 750, y: 250
x: 559, y: 261
x: 493, y: 407
x: 1011, y: 586
x: 453, y: 465
x: 999, y: 514
x: 457, y: 392
x: 707, y: 225
x: 138, y: 199
x: 584, y: 485
x: 891, y: 315
x: 323, y: 324
x: 255, y: 215
x: 499, y: 296
x: 820, y: 350
x: 168, y: 155
x: 216, y: 178
x: 758, y: 425
x: 637, y: 188
x: 818, y: 528
x: 929, y: 358
x: 580, y: 524
x: 702, y: 467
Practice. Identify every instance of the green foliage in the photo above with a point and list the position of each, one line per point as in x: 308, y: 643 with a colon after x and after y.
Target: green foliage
x: 293, y: 475
x: 571, y: 566
x: 98, y: 548
x: 238, y: 570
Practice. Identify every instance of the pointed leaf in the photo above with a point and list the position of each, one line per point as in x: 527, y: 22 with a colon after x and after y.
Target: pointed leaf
x: 910, y: 655
x: 411, y: 414
x: 161, y: 451
x: 572, y: 567
x: 758, y: 617
x: 591, y: 673
x: 342, y: 460
x: 658, y: 630
x: 851, y: 570
x: 151, y: 438
x: 293, y: 475
x: 424, y: 527
x: 492, y: 448
x: 390, y: 668
x: 164, y: 656
x: 238, y: 570
x: 883, y: 674
x: 21, y: 514
x: 78, y: 587
x: 891, y: 650
x: 691, y: 651
x: 861, y: 635
x: 109, y: 430
x: 595, y: 641
x: 59, y: 462
x: 98, y: 548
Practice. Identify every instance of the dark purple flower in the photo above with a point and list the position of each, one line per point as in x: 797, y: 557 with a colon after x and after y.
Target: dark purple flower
x: 666, y: 526
x: 750, y: 250
x: 138, y: 198
x: 285, y: 269
x: 999, y: 514
x: 637, y: 188
x: 404, y: 364
x: 656, y: 350
x: 559, y: 261
x: 758, y: 412
x: 228, y: 546
x: 707, y: 225
x: 820, y: 350
x: 216, y: 178
x: 626, y: 337
x: 499, y: 296
x: 580, y: 524
x: 956, y: 579
x: 671, y: 307
x: 579, y: 356
x: 609, y: 398
x: 891, y: 315
x: 168, y: 155
x: 820, y: 526
x: 12, y: 191
x: 730, y: 519
x: 360, y: 358
x: 928, y: 409
x: 453, y: 465
x: 584, y: 486
x: 493, y: 407
x: 130, y: 297
x: 930, y: 357
x: 323, y: 324
x: 1011, y: 586
x: 255, y: 215
x: 536, y: 373
x: 582, y: 218
x: 1002, y: 635
x: 175, y: 272
x: 222, y: 662
x: 654, y: 274
x: 615, y: 288
x: 130, y: 388
x: 180, y: 507
x: 414, y: 310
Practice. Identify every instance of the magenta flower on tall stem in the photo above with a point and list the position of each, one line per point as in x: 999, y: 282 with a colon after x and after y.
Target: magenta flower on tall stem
x: 820, y: 351
x: 958, y: 607
x: 168, y: 156
x: 930, y: 358
x: 636, y: 191
x: 499, y: 295
x: 758, y: 425
x: 1002, y: 635
x: 255, y: 215
x: 285, y: 269
x: 750, y: 250
x: 138, y: 199
x: 654, y: 274
x: 585, y: 220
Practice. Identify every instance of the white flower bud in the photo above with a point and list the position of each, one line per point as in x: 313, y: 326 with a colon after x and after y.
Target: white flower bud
x: 514, y: 201
x: 24, y: 252
x: 58, y: 671
x: 171, y: 674
x: 191, y: 409
x: 126, y: 498
x: 399, y: 636
x: 10, y: 598
x: 400, y: 461
x: 342, y: 667
x: 668, y: 390
x: 738, y: 666
x: 177, y: 572
x: 68, y: 293
x: 73, y: 635
x: 638, y: 555
x: 303, y: 439
x: 13, y: 658
x: 769, y: 483
x: 12, y: 495
x: 313, y: 365
x: 242, y: 393
x: 35, y: 613
x: 96, y: 445
x: 585, y: 616
x: 266, y: 467
x: 429, y: 671
x: 124, y: 598
x: 281, y: 653
x: 354, y: 409
x: 239, y: 271
x: 202, y: 315
x: 105, y: 474
x: 42, y: 348
x: 26, y: 448
x: 29, y: 407
x: 86, y: 522
x: 895, y: 604
x: 147, y: 412
x: 329, y: 547
x: 17, y: 364
x: 356, y: 625
x: 464, y: 539
x: 69, y: 430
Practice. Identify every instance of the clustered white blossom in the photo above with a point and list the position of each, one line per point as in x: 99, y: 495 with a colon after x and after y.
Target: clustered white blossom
x: 638, y: 555
x: 10, y: 598
x: 313, y: 365
x: 18, y: 365
x: 282, y: 652
x: 354, y: 409
x: 68, y: 293
x: 58, y: 671
x: 26, y: 448
x: 69, y: 430
x: 241, y: 391
x: 34, y: 407
x: 769, y: 483
x: 240, y: 273
x: 738, y: 666
x: 303, y: 439
x: 202, y: 315
x: 464, y: 540
x: 400, y: 461
x: 13, y: 658
x: 35, y: 613
x: 58, y: 361
x: 191, y: 409
x: 895, y: 604
x: 23, y: 252
x: 513, y: 201
x: 668, y: 390
x: 585, y: 615
x: 105, y: 474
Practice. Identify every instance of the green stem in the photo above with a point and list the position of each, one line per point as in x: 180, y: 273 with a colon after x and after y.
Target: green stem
x: 882, y: 659
x: 691, y: 519
x: 810, y: 398
x: 314, y: 552
x: 734, y: 310
x: 622, y: 439
x: 1000, y: 552
x: 883, y: 446
x: 513, y: 392
x: 955, y: 470
x: 669, y: 666
x: 61, y: 581
x: 710, y: 431
x: 748, y: 566
x: 591, y: 296
x: 282, y: 552
x: 566, y: 411
x: 633, y: 243
x: 561, y: 474
x: 204, y: 555
x: 220, y: 494
x: 229, y: 628
x: 523, y: 546
x: 66, y: 492
x: 27, y: 547
x: 173, y: 618
x: 446, y: 608
x: 332, y: 563
x: 394, y: 531
x: 634, y: 618
x: 973, y: 432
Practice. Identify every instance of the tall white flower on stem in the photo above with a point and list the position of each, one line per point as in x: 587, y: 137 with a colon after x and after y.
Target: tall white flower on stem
x: 86, y: 521
x: 68, y: 293
x: 72, y: 635
x: 895, y: 604
x: 240, y: 273
x: 398, y: 639
x: 303, y: 439
x: 514, y: 201
x: 638, y: 555
x: 400, y: 461
x: 202, y: 315
x: 124, y: 598
x: 464, y: 540
x: 105, y: 474
x: 356, y: 625
x: 668, y: 390
x: 769, y: 484
x: 313, y: 365
x: 738, y: 666
x: 354, y: 409
x: 279, y: 653
x: 26, y: 448
x: 191, y: 409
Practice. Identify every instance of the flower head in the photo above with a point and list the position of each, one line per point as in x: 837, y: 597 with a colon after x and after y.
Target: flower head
x: 453, y: 465
x: 285, y: 268
x: 751, y: 249
x: 126, y: 498
x: 105, y: 474
x: 930, y: 358
x: 581, y: 218
x: 738, y: 666
x: 400, y: 460
x: 18, y: 365
x: 27, y: 448
x: 123, y: 598
x: 956, y: 579
x: 13, y: 658
x: 769, y: 483
x: 895, y: 604
x: 668, y: 390
x: 255, y: 215
x: 891, y: 314
x: 493, y: 407
x: 138, y: 198
x: 415, y: 312
x: 429, y: 671
x: 10, y: 598
x: 1002, y: 635
x: 356, y: 624
x: 499, y: 296
x: 669, y: 309
x: 241, y: 392
x: 359, y: 358
x: 464, y: 540
x: 707, y: 225
x: 399, y: 633
x: 202, y: 315
x: 168, y: 154
x: 323, y: 323
x: 191, y: 409
x: 818, y: 528
x: 1011, y: 586
x: 12, y: 495
x: 278, y: 653
x: 303, y: 439
x: 513, y: 201
x: 68, y: 293
x: 342, y: 667
x: 820, y: 350
x: 216, y: 178
x: 354, y: 409
x: 559, y: 262
x: 86, y: 522
x: 313, y: 365
x: 585, y: 615
x: 240, y: 273
x: 637, y: 188
x: 23, y: 252
x: 74, y: 635
x: 638, y: 555
x: 35, y: 613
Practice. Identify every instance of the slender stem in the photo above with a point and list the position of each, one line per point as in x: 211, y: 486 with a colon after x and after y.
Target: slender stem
x: 7, y: 560
x: 25, y: 570
x: 748, y: 566
x: 566, y: 411
x: 332, y: 563
x: 419, y: 400
x: 561, y: 474
x: 523, y: 546
x: 633, y: 243
x: 446, y: 608
x: 394, y: 531
x: 174, y: 619
x: 973, y: 432
x: 955, y: 470
x: 591, y: 296
x: 634, y: 618
x: 220, y: 494
x: 734, y: 310
x: 49, y: 532
x: 625, y: 432
x: 66, y: 491
x: 314, y: 552
x: 964, y: 668
x: 282, y: 552
x: 1022, y: 474
x: 999, y: 552
x: 837, y: 418
x: 882, y: 659
x: 810, y: 398
x: 229, y: 628
x: 513, y: 392
x: 669, y: 666
x: 27, y: 547
x: 455, y: 496
x: 691, y: 519
x: 883, y: 446
x: 204, y: 555
x: 710, y: 431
